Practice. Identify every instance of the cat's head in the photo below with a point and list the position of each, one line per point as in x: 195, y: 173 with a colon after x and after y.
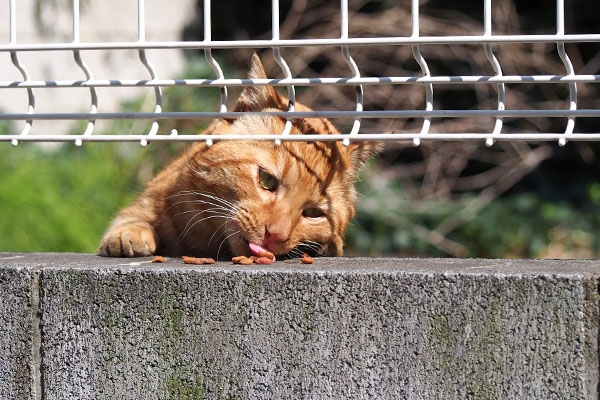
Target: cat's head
x: 293, y: 197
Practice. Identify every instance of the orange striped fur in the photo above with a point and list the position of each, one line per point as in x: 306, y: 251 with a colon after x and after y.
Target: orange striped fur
x: 210, y: 201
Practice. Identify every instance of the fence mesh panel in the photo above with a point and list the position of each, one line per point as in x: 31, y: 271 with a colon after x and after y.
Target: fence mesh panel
x: 360, y: 115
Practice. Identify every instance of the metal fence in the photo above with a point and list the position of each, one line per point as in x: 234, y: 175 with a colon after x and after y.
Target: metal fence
x: 344, y: 43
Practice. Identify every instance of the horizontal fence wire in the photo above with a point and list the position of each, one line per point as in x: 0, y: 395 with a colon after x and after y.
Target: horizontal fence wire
x: 381, y: 41
x: 346, y: 45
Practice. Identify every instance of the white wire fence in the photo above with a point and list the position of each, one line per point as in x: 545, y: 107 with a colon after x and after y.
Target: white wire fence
x: 346, y: 44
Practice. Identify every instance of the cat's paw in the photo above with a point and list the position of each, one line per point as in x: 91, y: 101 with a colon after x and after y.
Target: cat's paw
x: 129, y: 241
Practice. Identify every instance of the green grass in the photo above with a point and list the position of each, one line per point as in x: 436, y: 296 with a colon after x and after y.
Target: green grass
x: 63, y: 200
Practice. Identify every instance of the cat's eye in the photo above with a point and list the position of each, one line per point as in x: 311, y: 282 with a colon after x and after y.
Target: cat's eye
x: 313, y: 212
x: 267, y: 181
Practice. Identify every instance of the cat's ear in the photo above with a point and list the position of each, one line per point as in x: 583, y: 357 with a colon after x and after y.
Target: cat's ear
x: 256, y: 98
x: 361, y: 152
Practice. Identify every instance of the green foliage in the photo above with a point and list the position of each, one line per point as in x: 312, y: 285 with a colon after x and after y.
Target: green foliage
x: 526, y: 225
x: 63, y: 200
x: 522, y: 225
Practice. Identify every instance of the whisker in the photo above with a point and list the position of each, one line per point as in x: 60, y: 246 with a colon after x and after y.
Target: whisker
x: 215, y: 232
x: 198, y: 212
x: 198, y: 201
x: 294, y: 253
x: 186, y: 231
x: 223, y: 241
x: 310, y: 246
x: 182, y: 234
x: 209, y: 195
x: 212, y: 210
x: 220, y: 199
x: 314, y: 246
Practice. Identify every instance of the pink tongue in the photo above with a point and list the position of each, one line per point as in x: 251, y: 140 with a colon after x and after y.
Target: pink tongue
x: 256, y: 248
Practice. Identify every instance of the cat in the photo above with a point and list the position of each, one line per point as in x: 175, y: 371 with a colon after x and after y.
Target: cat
x: 242, y: 197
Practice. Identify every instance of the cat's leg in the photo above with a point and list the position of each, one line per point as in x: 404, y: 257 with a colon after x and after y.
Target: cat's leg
x: 133, y: 238
x: 133, y: 233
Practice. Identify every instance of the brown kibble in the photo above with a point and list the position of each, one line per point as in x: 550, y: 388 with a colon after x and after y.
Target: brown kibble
x: 242, y: 260
x: 306, y: 259
x: 197, y: 260
x: 264, y: 260
x: 158, y: 259
x: 266, y: 254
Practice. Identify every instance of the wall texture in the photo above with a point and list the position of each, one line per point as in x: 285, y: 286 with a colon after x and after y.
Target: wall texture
x: 86, y: 327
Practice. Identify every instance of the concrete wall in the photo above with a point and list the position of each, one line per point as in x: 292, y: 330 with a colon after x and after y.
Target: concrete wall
x: 87, y: 327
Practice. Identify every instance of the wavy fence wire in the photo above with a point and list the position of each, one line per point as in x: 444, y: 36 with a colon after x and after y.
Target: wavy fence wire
x: 427, y: 112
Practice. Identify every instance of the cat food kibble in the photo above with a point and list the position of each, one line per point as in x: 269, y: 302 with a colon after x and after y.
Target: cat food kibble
x: 197, y: 260
x: 266, y: 258
x: 243, y: 260
x: 158, y: 259
x: 266, y: 254
x: 306, y: 259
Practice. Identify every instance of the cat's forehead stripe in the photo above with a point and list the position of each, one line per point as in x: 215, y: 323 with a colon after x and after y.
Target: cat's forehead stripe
x: 322, y: 160
x: 304, y: 157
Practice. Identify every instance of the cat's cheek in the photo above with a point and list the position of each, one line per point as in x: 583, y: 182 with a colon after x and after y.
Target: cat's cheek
x: 336, y: 247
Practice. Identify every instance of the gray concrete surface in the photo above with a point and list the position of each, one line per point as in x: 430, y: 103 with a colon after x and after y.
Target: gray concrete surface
x: 15, y: 332
x: 348, y: 328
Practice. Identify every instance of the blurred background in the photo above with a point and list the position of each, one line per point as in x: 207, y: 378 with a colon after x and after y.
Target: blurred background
x: 443, y: 199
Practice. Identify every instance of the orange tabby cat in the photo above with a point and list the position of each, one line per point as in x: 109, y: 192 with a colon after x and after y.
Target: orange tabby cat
x: 242, y: 197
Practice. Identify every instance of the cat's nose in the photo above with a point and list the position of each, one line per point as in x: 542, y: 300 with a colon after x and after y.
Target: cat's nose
x: 272, y: 235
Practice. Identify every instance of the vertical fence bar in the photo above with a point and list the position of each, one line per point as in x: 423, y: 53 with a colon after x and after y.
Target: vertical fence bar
x: 208, y: 53
x: 210, y: 59
x: 150, y: 68
x: 487, y: 31
x: 12, y: 22
x: 75, y: 21
x: 560, y: 30
x: 86, y: 70
x: 424, y: 68
x: 284, y: 67
x: 353, y: 68
x: 15, y: 60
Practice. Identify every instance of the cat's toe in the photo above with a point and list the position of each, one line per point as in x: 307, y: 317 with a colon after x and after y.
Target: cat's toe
x: 129, y: 242
x: 111, y: 245
x: 138, y: 243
